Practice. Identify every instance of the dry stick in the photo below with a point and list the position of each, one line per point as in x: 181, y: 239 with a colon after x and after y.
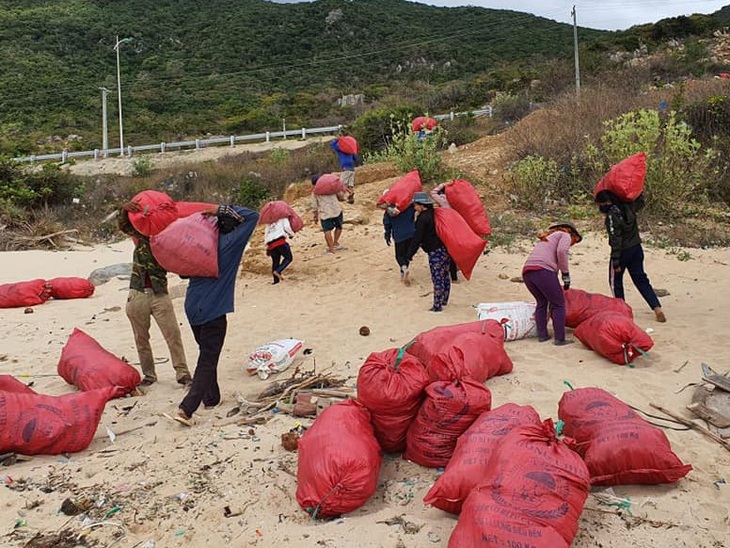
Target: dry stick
x: 681, y: 367
x: 652, y: 522
x: 693, y: 425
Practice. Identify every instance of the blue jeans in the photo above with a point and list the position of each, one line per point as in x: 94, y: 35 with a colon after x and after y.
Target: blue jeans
x: 632, y: 259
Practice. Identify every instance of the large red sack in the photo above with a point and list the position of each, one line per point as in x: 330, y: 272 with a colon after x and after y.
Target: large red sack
x: 468, y: 465
x: 87, y: 365
x: 157, y: 211
x: 625, y: 179
x: 463, y: 245
x: 30, y: 293
x: 188, y: 247
x: 423, y: 122
x: 185, y: 209
x: 390, y: 385
x: 581, y: 305
x: 329, y: 183
x: 463, y: 197
x: 339, y: 461
x: 533, y: 493
x: 8, y: 383
x: 446, y: 413
x: 35, y: 424
x: 427, y: 344
x: 279, y: 209
x: 476, y: 356
x: 614, y: 336
x: 71, y: 288
x: 347, y: 144
x: 400, y: 194
x: 618, y: 446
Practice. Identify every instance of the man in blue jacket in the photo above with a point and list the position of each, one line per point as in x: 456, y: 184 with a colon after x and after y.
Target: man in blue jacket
x: 400, y: 227
x: 347, y: 168
x: 207, y: 302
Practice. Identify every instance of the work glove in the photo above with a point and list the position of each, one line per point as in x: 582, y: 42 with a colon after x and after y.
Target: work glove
x: 566, y: 281
x: 387, y: 240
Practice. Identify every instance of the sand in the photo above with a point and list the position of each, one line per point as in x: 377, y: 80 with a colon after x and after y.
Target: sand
x: 164, y: 484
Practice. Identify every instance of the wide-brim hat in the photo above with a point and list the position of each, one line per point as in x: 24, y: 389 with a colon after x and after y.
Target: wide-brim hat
x: 422, y: 198
x: 569, y: 226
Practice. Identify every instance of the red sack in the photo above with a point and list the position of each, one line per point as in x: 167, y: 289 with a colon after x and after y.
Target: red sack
x: 71, y: 288
x: 427, y: 344
x: 87, y: 365
x: 625, y: 179
x: 463, y: 245
x: 581, y: 305
x: 423, y: 122
x: 35, y: 424
x: 329, y: 183
x: 339, y: 461
x: 477, y: 356
x: 279, y: 209
x: 390, y: 385
x: 185, y: 209
x: 468, y: 465
x: 618, y: 446
x: 400, y: 194
x: 21, y: 294
x: 157, y: 212
x: 188, y: 247
x: 448, y: 410
x: 614, y: 336
x: 347, y: 144
x: 8, y: 383
x: 533, y: 493
x: 463, y: 197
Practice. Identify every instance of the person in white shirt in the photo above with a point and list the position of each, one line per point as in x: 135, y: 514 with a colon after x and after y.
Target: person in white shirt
x: 277, y: 247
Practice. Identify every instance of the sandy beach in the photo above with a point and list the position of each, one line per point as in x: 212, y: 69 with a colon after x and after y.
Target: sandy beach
x: 162, y: 484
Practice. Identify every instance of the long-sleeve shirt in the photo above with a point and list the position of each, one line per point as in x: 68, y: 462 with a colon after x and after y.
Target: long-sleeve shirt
x: 210, y: 298
x: 623, y: 228
x: 552, y: 253
x: 347, y: 161
x: 400, y: 227
x: 425, y: 236
x: 146, y: 271
x: 279, y: 229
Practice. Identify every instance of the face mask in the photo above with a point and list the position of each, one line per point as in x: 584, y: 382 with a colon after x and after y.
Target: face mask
x: 604, y: 208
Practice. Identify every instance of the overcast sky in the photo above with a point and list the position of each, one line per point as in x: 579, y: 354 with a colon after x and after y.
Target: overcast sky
x: 597, y: 14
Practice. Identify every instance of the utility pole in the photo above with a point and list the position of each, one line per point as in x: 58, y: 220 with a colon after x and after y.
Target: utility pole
x: 119, y: 93
x: 104, y: 127
x: 577, y: 62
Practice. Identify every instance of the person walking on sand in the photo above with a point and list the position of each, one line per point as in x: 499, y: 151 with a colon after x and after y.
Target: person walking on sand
x: 438, y: 195
x: 148, y: 298
x: 427, y: 239
x: 540, y: 274
x: 400, y: 227
x: 626, y: 250
x: 328, y: 213
x: 209, y: 300
x: 347, y: 168
x: 277, y: 247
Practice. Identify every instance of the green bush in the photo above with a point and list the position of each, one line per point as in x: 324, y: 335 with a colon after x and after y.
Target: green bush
x: 532, y: 182
x: 677, y: 166
x: 374, y: 129
x: 142, y: 167
x: 252, y: 193
x: 408, y: 152
x: 48, y: 186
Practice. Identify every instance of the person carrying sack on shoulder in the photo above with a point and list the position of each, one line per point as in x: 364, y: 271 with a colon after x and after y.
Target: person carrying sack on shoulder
x: 427, y: 239
x: 277, y: 247
x: 148, y: 298
x: 540, y: 274
x: 328, y: 213
x: 626, y: 250
x: 347, y: 167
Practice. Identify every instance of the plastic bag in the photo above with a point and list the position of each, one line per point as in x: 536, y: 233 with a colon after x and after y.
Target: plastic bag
x: 516, y: 318
x: 614, y: 336
x: 625, y: 179
x: 279, y: 209
x: 329, y: 183
x: 463, y: 197
x: 188, y: 247
x: 400, y: 194
x: 347, y: 144
x: 427, y: 344
x: 581, y: 305
x: 273, y: 357
x: 157, y: 211
x: 71, y: 288
x: 476, y: 356
x: 21, y: 294
x: 463, y: 245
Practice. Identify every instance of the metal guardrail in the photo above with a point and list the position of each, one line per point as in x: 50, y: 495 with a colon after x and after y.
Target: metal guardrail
x: 232, y: 140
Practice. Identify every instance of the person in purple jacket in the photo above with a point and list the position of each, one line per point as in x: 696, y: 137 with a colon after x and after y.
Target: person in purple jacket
x: 207, y: 302
x: 540, y: 273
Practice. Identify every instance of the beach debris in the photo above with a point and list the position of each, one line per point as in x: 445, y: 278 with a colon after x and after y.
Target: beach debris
x: 681, y: 366
x: 720, y: 381
x: 305, y: 405
x: 609, y: 498
x: 227, y: 512
x: 75, y: 507
x: 62, y: 539
x: 28, y: 310
x: 290, y: 441
x: 718, y: 483
x: 701, y: 429
x: 364, y: 331
x: 409, y: 527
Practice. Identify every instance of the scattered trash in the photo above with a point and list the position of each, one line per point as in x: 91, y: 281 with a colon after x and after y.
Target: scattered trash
x: 112, y: 435
x: 433, y: 537
x: 609, y: 498
x: 20, y: 523
x: 179, y: 532
x: 364, y: 331
x: 28, y: 310
x: 74, y: 508
x: 409, y: 527
x: 227, y: 512
x: 718, y: 483
x: 273, y: 357
x: 290, y: 441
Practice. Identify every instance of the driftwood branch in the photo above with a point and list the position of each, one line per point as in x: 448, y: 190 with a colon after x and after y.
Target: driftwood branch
x: 701, y: 429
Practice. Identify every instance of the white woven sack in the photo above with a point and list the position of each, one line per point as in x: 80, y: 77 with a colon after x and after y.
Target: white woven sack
x: 517, y: 318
